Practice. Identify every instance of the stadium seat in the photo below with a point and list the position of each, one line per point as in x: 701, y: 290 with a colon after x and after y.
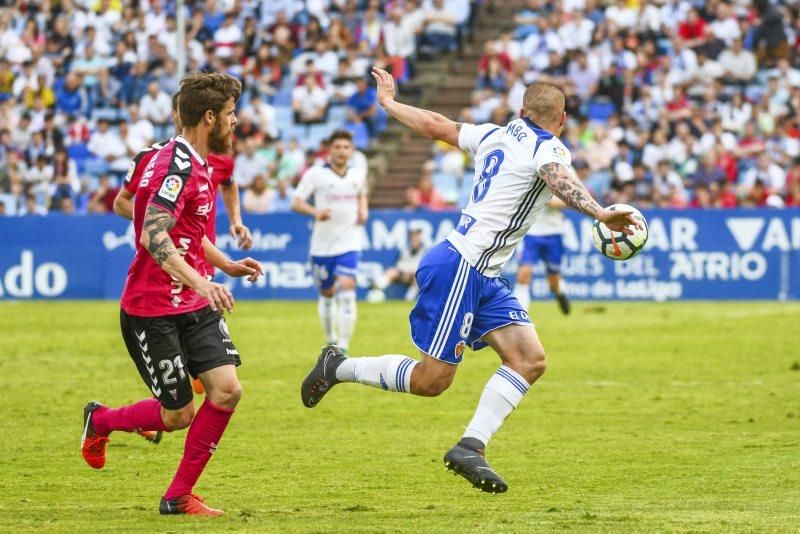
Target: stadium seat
x: 282, y: 98
x: 360, y: 134
x: 600, y: 111
x: 447, y: 184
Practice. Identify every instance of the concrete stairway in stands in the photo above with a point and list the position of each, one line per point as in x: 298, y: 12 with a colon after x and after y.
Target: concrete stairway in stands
x: 446, y: 86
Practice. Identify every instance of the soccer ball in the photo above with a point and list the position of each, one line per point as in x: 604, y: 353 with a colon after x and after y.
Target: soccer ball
x: 619, y: 245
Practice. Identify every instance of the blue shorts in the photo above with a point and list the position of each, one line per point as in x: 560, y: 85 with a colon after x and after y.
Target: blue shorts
x: 548, y: 248
x: 457, y: 305
x: 326, y: 268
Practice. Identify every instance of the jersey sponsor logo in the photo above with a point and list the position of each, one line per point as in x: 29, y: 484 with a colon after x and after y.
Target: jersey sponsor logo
x: 205, y: 209
x: 170, y: 188
x: 561, y: 154
x: 465, y: 223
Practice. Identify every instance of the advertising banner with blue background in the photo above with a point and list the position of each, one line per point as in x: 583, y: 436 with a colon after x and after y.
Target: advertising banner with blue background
x: 730, y: 254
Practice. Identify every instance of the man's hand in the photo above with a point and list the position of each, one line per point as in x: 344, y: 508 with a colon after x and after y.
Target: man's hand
x: 246, y: 267
x: 385, y: 85
x: 217, y: 295
x: 620, y: 220
x: 322, y: 215
x: 363, y: 215
x: 242, y: 233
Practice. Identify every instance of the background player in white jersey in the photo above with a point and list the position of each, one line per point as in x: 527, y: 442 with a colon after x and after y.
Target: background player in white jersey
x: 544, y: 241
x: 340, y: 210
x: 518, y: 167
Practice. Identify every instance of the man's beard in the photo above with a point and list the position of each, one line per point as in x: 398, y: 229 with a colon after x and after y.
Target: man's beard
x: 220, y: 142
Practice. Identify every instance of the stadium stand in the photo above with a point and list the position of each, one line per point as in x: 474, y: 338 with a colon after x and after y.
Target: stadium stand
x: 672, y: 103
x: 85, y: 84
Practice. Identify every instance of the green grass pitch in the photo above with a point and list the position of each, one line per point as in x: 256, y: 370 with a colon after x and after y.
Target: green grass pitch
x: 651, y: 417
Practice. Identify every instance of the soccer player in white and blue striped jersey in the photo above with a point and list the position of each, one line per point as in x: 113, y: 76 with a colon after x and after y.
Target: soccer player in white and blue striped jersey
x: 462, y: 302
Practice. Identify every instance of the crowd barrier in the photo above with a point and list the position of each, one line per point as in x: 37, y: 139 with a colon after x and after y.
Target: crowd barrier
x: 709, y: 254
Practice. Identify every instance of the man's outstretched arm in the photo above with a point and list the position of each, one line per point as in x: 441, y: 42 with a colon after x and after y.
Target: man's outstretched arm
x: 568, y: 187
x: 424, y: 122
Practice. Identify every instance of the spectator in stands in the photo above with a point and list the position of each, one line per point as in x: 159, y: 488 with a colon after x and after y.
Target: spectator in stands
x: 494, y: 78
x: 439, y: 33
x: 424, y: 196
x: 94, y: 72
x: 6, y: 81
x: 281, y: 197
x: 709, y: 172
x: 31, y: 207
x: 738, y: 64
x: 767, y: 174
x: 64, y: 166
x: 227, y: 36
x: 12, y: 174
x: 39, y: 176
x: 363, y: 106
x: 106, y: 145
x: 256, y: 198
x: 263, y: 71
x: 62, y: 196
x: 667, y: 184
x: 400, y: 42
x: 309, y: 102
x: 70, y: 97
x: 249, y: 163
x: 770, y: 38
x: 102, y: 199
x: 262, y: 115
x: 156, y: 107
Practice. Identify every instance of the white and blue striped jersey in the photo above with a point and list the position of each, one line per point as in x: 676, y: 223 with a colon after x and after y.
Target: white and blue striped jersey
x: 508, y: 193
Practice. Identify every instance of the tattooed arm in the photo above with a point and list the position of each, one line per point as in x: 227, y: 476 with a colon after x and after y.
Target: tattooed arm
x: 568, y: 187
x: 424, y: 122
x: 155, y: 238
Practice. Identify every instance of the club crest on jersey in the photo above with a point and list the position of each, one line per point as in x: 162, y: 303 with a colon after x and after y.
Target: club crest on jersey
x: 460, y: 346
x: 170, y: 188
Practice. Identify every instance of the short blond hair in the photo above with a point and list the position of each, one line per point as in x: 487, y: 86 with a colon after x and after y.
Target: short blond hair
x: 543, y: 102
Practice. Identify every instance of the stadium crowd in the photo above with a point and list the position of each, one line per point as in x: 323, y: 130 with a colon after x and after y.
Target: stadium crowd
x: 86, y: 84
x: 672, y: 103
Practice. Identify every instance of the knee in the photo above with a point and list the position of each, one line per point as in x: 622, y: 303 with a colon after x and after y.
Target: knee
x: 531, y: 365
x: 178, y: 419
x: 345, y: 283
x: 227, y: 395
x: 431, y: 386
x: 328, y: 292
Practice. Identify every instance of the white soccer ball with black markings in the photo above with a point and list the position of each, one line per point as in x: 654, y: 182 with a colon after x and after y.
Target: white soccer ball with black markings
x: 619, y: 245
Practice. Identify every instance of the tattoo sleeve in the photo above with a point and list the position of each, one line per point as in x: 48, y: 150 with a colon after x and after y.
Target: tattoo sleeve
x: 566, y: 186
x: 157, y: 223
